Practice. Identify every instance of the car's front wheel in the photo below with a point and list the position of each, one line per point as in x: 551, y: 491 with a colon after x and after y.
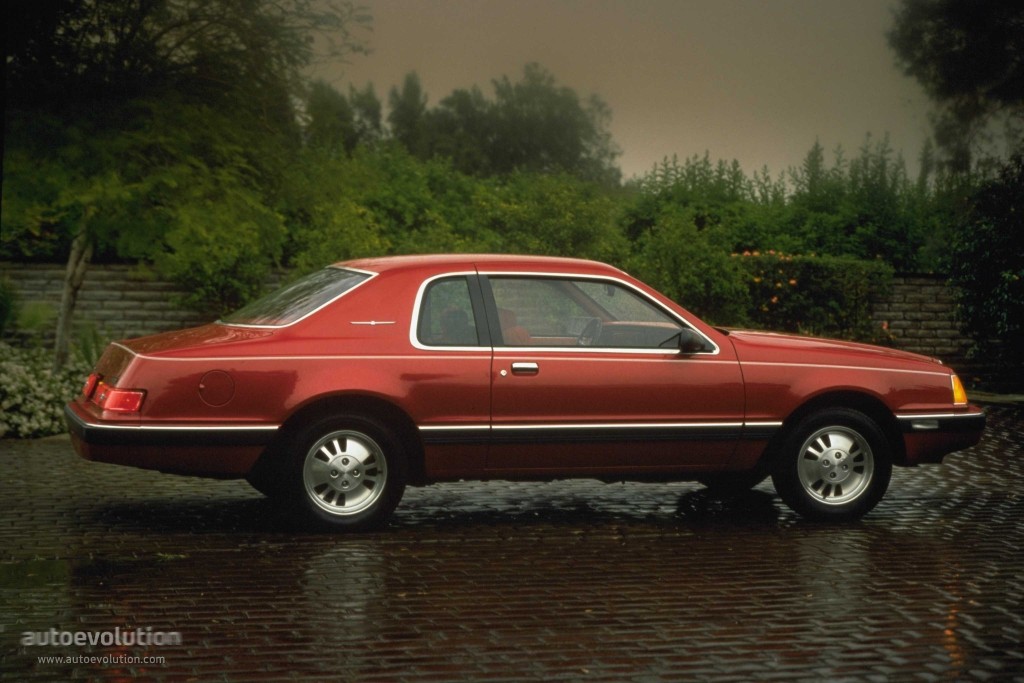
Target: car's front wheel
x: 346, y: 473
x: 836, y: 465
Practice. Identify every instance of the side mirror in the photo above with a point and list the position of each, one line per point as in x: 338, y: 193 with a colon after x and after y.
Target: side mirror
x: 691, y: 342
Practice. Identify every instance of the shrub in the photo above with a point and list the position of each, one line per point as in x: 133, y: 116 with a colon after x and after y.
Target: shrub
x: 32, y: 396
x: 820, y: 295
x: 691, y: 265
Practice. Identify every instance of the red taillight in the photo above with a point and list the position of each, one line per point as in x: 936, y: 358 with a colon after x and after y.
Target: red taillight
x: 90, y: 384
x: 118, y: 400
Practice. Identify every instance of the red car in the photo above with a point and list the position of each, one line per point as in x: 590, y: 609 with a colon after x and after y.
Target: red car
x: 336, y: 391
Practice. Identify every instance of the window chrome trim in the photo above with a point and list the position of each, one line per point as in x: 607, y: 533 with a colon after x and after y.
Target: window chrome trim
x: 414, y: 324
x: 319, y: 308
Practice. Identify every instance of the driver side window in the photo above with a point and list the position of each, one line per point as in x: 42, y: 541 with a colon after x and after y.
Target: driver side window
x: 556, y: 312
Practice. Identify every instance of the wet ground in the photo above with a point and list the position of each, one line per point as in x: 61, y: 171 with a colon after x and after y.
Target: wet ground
x: 573, y: 581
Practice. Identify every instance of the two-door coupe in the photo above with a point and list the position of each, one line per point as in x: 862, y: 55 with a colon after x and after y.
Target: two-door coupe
x: 336, y: 391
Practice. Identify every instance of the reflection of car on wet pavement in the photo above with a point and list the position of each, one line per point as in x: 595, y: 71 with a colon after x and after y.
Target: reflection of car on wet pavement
x: 338, y: 390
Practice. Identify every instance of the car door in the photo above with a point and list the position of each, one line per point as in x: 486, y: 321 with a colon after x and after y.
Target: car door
x: 588, y: 379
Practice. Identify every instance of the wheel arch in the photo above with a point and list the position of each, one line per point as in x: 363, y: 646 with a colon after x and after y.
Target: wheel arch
x: 366, y: 405
x: 865, y: 403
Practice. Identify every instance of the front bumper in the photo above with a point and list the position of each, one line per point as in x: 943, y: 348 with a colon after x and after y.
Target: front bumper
x: 930, y: 437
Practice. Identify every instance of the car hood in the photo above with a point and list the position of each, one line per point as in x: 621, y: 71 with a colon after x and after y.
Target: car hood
x: 753, y: 346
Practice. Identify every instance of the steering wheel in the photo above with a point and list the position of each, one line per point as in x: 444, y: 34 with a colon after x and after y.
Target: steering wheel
x: 591, y: 331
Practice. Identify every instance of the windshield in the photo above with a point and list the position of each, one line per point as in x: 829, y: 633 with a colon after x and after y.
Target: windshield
x: 295, y: 301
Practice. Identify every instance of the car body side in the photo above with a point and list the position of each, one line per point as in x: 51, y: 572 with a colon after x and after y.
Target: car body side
x: 220, y: 397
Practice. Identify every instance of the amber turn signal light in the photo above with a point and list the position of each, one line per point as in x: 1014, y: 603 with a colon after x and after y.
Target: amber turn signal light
x: 959, y: 393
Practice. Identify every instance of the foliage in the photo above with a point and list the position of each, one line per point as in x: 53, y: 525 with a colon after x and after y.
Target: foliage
x: 75, y: 51
x: 969, y: 57
x: 408, y: 108
x: 387, y: 201
x: 531, y: 125
x: 549, y: 214
x: 819, y: 295
x: 32, y: 396
x: 221, y: 246
x: 988, y: 267
x: 137, y: 128
x: 336, y: 124
x: 863, y: 208
x: 691, y: 265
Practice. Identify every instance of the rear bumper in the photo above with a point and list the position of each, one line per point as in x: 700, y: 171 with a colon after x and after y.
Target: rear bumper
x: 222, y: 450
x: 930, y: 437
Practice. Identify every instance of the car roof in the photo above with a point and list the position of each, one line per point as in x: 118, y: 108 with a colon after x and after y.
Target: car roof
x: 485, y: 262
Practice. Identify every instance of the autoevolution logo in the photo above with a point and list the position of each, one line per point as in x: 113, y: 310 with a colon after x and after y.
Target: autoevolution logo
x: 135, y: 637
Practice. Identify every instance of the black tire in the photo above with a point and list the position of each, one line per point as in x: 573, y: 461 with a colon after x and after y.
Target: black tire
x: 346, y: 473
x: 836, y: 465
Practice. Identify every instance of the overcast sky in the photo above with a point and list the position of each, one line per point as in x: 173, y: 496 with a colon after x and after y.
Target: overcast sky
x: 757, y: 81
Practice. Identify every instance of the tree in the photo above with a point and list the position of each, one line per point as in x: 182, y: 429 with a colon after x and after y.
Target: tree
x: 556, y: 214
x: 460, y: 129
x: 90, y: 74
x: 367, y: 110
x: 541, y: 126
x: 988, y: 267
x: 969, y: 57
x: 408, y: 110
x: 330, y: 121
x: 532, y: 125
x: 692, y: 265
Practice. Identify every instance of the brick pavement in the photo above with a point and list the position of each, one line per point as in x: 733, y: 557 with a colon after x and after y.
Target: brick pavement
x: 573, y: 581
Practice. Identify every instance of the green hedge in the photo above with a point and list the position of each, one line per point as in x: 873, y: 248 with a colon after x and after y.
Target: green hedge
x: 820, y: 295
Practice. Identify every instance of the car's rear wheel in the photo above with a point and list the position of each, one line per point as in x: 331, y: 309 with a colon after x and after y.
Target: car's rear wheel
x: 346, y: 473
x: 836, y: 465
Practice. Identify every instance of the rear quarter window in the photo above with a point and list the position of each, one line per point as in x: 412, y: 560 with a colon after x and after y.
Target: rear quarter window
x: 299, y: 299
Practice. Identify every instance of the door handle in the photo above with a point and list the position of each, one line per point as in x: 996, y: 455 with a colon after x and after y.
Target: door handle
x: 525, y: 368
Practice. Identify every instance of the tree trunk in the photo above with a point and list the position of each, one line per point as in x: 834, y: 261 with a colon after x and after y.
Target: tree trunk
x: 78, y: 263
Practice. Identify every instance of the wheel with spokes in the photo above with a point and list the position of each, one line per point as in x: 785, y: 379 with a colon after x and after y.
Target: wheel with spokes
x: 835, y: 465
x: 347, y: 473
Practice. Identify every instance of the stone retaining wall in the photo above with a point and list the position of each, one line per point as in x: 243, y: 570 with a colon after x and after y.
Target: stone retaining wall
x: 920, y: 315
x: 121, y: 302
